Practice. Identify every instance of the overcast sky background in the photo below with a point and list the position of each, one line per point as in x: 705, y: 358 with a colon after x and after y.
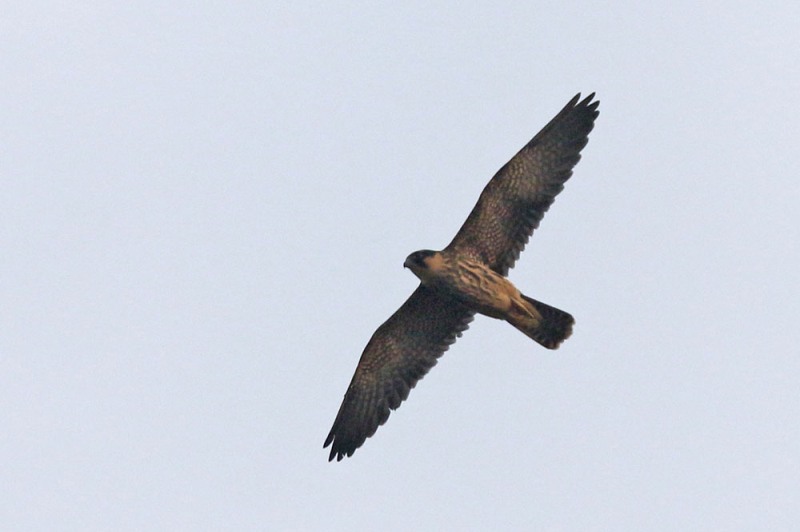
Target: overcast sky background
x: 204, y: 213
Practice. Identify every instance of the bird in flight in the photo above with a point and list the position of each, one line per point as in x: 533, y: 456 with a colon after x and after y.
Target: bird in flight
x: 468, y: 277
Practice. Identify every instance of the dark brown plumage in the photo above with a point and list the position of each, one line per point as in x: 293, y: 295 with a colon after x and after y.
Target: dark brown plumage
x: 515, y: 200
x: 409, y: 343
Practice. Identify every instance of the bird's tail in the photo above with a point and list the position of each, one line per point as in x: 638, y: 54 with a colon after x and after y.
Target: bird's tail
x: 546, y: 325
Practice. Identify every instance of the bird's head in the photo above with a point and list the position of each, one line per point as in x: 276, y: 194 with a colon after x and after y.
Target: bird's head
x: 423, y: 263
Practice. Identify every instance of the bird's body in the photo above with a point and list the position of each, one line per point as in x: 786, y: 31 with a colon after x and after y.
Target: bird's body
x: 466, y: 280
x: 468, y: 277
x: 485, y: 291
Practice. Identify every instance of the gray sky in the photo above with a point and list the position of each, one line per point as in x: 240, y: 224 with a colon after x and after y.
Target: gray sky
x: 204, y: 215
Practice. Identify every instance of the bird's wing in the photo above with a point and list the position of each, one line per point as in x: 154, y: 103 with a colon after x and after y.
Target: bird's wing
x: 516, y: 198
x: 400, y: 353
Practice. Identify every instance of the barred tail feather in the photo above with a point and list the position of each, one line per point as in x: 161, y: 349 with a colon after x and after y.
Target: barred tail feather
x: 554, y: 327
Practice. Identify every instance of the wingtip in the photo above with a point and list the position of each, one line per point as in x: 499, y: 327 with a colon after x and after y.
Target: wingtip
x: 336, y: 450
x: 338, y: 454
x: 589, y: 103
x: 576, y: 100
x: 576, y: 104
x: 328, y: 441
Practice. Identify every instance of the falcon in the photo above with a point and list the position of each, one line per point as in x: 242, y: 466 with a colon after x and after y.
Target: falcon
x: 468, y: 277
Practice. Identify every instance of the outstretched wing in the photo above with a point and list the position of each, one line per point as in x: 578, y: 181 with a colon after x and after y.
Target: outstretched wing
x: 516, y: 198
x: 400, y: 353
